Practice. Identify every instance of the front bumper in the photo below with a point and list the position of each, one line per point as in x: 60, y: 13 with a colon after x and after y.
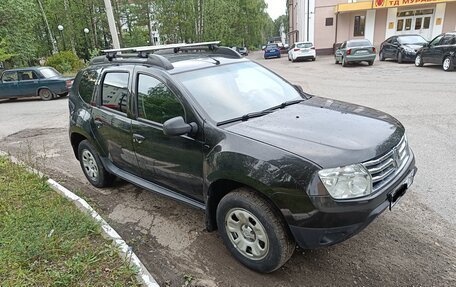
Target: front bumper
x: 334, y: 221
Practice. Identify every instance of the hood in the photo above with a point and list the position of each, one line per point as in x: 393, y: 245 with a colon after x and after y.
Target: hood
x: 415, y: 47
x: 327, y: 132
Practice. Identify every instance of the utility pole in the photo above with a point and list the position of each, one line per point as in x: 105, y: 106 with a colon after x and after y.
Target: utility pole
x: 112, y: 24
x: 51, y: 38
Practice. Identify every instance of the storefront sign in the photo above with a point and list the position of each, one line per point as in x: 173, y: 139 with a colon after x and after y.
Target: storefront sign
x: 399, y: 3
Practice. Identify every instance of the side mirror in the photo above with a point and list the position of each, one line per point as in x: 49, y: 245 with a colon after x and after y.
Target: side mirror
x: 178, y: 127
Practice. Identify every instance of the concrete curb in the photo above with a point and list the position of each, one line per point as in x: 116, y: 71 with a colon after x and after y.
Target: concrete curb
x: 125, y: 251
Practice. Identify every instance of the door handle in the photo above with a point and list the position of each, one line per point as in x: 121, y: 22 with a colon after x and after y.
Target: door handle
x: 138, y: 138
x: 98, y: 123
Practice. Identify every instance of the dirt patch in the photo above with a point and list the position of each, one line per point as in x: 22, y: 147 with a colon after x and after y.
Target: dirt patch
x: 410, y: 246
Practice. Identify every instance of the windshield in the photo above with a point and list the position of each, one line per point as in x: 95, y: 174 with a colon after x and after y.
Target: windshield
x: 231, y: 91
x: 410, y: 40
x: 304, y: 45
x: 50, y: 72
x: 360, y: 43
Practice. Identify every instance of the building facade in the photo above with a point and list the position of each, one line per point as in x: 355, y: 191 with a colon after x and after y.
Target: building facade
x: 327, y: 23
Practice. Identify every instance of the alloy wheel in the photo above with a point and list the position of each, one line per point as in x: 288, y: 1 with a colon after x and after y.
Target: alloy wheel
x: 247, y: 233
x: 418, y: 60
x: 446, y: 64
x: 90, y: 165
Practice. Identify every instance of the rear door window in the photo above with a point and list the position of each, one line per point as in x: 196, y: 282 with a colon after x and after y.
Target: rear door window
x: 27, y: 75
x: 114, y: 93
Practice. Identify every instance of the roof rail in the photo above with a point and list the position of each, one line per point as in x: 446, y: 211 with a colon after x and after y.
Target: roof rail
x: 150, y: 59
x: 145, y: 54
x: 211, y: 45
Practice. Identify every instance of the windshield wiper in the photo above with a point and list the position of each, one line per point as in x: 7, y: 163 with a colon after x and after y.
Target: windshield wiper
x: 260, y: 113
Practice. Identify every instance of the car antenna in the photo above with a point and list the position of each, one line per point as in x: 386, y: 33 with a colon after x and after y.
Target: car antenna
x: 217, y: 62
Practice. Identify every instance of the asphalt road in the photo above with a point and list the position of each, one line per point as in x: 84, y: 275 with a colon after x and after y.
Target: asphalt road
x: 414, y: 245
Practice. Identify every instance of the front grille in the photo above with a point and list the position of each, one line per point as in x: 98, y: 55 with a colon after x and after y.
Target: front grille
x: 384, y: 168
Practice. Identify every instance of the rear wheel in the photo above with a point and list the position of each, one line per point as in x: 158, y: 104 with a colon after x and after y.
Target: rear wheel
x: 313, y: 59
x: 253, y: 232
x: 447, y: 64
x: 419, y: 61
x: 344, y: 63
x: 45, y: 94
x: 370, y: 63
x: 91, y: 165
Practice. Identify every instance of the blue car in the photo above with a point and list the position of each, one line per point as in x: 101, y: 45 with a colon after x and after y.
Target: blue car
x: 44, y: 82
x: 271, y: 51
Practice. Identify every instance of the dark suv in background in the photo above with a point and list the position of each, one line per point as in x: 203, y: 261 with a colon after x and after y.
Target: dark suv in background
x: 441, y: 51
x: 269, y: 164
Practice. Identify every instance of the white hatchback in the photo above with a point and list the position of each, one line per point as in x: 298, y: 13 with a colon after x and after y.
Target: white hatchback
x: 302, y: 51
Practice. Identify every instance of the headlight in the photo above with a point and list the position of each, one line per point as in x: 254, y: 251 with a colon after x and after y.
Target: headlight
x: 347, y: 182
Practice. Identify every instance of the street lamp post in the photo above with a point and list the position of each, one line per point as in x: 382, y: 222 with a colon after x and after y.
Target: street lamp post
x: 60, y: 27
x: 86, y: 31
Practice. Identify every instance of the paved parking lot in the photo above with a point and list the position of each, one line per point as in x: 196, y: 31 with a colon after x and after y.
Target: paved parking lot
x: 414, y: 245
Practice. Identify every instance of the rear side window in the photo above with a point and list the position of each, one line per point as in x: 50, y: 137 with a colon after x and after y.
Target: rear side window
x: 9, y: 76
x: 448, y: 40
x: 87, y: 84
x: 156, y: 102
x: 114, y: 94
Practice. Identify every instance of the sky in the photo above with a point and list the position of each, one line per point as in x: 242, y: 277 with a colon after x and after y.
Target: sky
x: 276, y: 8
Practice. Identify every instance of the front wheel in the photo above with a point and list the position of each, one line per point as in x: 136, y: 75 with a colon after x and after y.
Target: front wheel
x: 313, y: 59
x: 253, y: 232
x: 399, y: 58
x: 381, y: 56
x: 447, y: 64
x: 419, y: 61
x: 92, y: 167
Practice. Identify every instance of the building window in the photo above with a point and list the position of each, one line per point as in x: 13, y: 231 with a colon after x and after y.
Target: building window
x: 329, y: 21
x: 360, y: 22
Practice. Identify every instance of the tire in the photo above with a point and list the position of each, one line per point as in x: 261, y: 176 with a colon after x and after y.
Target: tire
x: 313, y: 59
x: 46, y: 94
x: 399, y: 58
x: 419, y: 61
x: 344, y: 63
x: 446, y: 65
x: 370, y: 63
x: 91, y: 165
x: 381, y: 56
x: 250, y: 218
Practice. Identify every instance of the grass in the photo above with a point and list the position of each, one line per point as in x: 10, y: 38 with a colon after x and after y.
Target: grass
x: 46, y: 241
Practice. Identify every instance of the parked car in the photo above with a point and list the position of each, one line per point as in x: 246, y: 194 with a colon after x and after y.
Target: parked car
x: 272, y: 51
x: 355, y: 51
x: 44, y: 82
x: 402, y: 48
x: 269, y: 164
x: 302, y: 51
x: 441, y: 51
x: 242, y: 50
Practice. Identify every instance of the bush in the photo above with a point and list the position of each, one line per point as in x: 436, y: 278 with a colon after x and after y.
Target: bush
x: 65, y: 62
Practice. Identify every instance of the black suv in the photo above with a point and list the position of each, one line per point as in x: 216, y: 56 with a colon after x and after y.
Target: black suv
x: 441, y: 51
x: 268, y: 163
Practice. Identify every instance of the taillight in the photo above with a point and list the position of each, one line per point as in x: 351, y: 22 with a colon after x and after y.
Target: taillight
x: 374, y: 50
x: 349, y: 52
x: 69, y: 84
x: 296, y: 49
